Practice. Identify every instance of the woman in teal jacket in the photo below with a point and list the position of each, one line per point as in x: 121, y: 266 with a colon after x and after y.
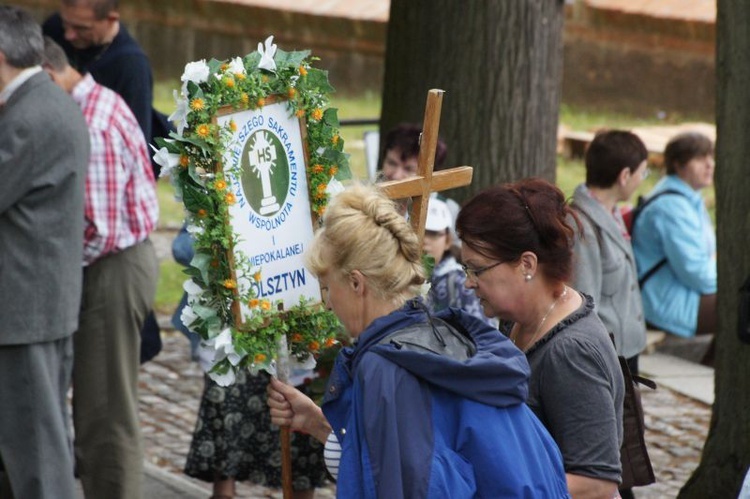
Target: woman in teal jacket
x: 675, y: 245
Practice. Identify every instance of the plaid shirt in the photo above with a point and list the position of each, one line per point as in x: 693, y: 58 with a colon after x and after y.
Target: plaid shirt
x: 121, y: 204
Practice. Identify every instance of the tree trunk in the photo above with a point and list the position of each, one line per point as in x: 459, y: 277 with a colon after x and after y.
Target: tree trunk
x: 500, y: 63
x: 726, y: 454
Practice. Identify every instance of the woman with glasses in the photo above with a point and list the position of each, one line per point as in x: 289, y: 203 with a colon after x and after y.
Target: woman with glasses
x: 604, y: 265
x: 420, y: 406
x: 517, y: 252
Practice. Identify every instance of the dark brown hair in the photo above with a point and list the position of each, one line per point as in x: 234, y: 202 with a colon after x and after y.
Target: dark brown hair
x: 609, y: 153
x: 529, y: 215
x: 684, y: 147
x: 405, y: 139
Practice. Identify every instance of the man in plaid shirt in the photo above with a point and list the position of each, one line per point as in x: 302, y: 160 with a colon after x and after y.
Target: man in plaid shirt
x: 120, y: 274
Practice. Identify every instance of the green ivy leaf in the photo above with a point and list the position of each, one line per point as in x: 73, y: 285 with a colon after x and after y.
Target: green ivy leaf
x: 290, y: 59
x: 202, y: 262
x: 195, y: 199
x: 318, y: 79
x: 331, y: 118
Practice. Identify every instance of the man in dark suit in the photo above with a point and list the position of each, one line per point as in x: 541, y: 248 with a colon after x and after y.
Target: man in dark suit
x: 44, y: 150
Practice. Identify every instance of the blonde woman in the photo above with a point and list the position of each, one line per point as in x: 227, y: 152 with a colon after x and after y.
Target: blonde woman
x: 420, y: 406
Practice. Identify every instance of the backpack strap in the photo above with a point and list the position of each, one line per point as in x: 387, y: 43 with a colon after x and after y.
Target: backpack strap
x: 642, y: 203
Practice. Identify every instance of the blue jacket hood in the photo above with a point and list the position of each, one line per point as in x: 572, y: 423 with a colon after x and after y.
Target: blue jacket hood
x: 496, y: 375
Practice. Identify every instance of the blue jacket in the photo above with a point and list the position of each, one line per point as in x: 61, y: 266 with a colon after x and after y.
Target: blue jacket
x: 679, y: 229
x: 415, y: 424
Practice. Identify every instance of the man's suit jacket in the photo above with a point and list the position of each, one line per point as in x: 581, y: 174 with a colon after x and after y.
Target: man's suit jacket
x: 44, y: 150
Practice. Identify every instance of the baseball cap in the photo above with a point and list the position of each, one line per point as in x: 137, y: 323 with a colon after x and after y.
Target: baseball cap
x: 438, y: 216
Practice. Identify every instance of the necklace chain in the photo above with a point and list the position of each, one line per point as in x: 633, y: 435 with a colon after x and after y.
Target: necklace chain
x: 541, y: 322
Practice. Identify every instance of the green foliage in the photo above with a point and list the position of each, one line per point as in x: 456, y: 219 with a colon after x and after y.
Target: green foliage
x: 193, y: 158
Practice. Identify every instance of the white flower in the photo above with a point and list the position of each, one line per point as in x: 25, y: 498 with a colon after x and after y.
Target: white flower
x: 188, y: 316
x: 195, y: 230
x: 191, y: 288
x: 236, y: 66
x: 224, y: 346
x: 334, y: 187
x: 266, y: 56
x: 165, y: 159
x: 179, y: 116
x: 197, y: 72
x: 320, y: 150
x: 225, y: 379
x: 223, y: 341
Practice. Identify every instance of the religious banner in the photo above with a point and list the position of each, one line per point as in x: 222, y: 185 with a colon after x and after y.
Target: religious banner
x: 254, y: 159
x: 265, y: 169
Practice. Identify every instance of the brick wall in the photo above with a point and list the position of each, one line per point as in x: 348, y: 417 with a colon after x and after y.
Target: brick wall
x: 174, y: 32
x: 647, y: 57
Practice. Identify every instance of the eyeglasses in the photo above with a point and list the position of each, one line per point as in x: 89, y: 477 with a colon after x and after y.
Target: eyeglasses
x: 474, y: 273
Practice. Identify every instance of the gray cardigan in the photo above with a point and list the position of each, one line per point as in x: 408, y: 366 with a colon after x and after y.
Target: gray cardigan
x: 604, y: 267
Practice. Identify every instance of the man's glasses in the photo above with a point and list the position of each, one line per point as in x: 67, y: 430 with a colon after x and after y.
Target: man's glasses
x: 474, y: 273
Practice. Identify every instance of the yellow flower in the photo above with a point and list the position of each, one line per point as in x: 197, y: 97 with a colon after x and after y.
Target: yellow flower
x: 229, y: 198
x: 229, y: 82
x: 224, y: 66
x: 240, y: 76
x: 257, y: 276
x: 220, y: 185
x: 321, y: 210
x: 317, y: 168
x: 202, y: 213
x: 317, y: 114
x: 296, y: 338
x: 232, y: 125
x: 254, y: 303
x: 314, y: 346
x: 259, y: 357
x: 335, y: 139
x: 203, y: 130
x: 265, y: 305
x: 184, y: 160
x: 300, y: 113
x: 244, y: 98
x: 261, y: 102
x: 302, y: 71
x: 291, y: 93
x: 330, y: 342
x: 333, y: 170
x: 197, y: 104
x: 322, y: 187
x: 264, y: 78
x: 230, y: 284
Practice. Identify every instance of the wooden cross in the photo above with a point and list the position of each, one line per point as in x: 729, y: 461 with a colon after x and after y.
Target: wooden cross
x: 426, y: 181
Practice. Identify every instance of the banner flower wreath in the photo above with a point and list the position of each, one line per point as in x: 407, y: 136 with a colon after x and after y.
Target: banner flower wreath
x: 193, y: 156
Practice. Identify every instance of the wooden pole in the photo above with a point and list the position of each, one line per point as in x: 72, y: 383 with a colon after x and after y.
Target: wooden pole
x: 282, y: 373
x: 426, y: 160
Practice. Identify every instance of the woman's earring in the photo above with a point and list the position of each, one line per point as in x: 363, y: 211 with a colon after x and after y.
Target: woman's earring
x: 527, y: 277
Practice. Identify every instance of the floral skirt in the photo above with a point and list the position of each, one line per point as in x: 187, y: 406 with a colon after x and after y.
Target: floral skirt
x: 234, y: 438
